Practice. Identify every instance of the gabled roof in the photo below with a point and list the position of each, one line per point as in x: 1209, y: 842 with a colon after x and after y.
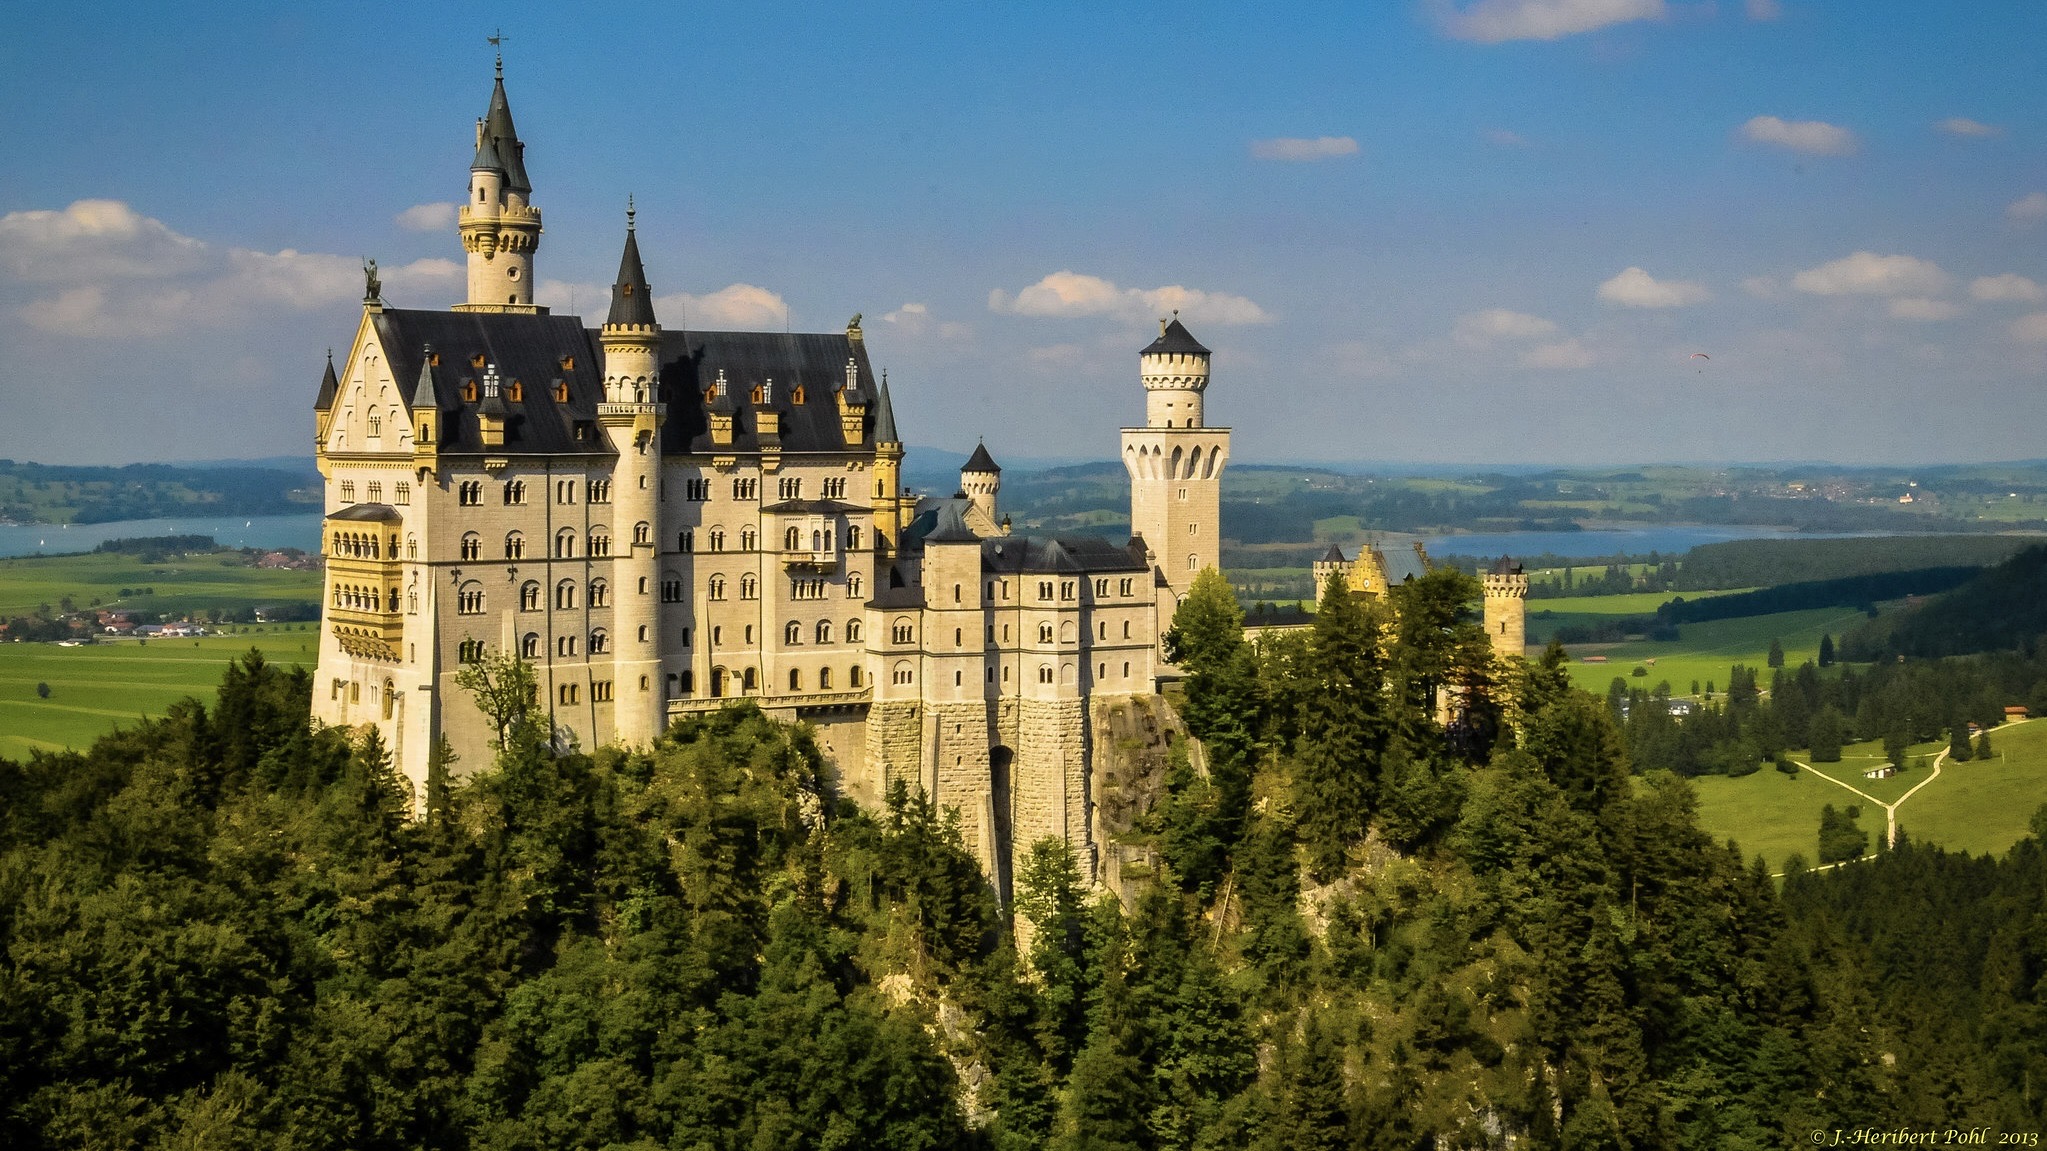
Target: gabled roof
x: 1175, y: 339
x: 631, y: 303
x: 368, y: 513
x: 534, y: 350
x: 810, y: 363
x: 1060, y: 554
x: 981, y: 461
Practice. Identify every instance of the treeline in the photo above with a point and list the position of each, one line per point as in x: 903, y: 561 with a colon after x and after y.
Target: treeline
x: 2001, y: 609
x: 1852, y: 591
x: 159, y: 545
x: 46, y: 493
x: 1769, y: 562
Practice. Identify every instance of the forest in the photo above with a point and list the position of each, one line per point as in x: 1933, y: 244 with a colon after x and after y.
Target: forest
x: 1376, y: 921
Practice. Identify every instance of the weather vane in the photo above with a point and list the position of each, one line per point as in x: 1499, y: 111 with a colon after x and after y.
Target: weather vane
x: 498, y: 42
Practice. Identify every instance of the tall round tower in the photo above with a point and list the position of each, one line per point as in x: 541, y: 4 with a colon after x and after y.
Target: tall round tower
x: 1176, y: 463
x: 1174, y: 368
x: 500, y: 227
x: 981, y: 480
x: 631, y: 416
x: 1506, y: 607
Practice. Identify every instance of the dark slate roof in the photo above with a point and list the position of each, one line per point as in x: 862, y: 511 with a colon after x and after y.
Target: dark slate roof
x: 1401, y: 562
x: 885, y: 420
x: 981, y: 461
x: 500, y: 149
x: 1175, y: 339
x: 815, y: 507
x: 631, y: 303
x: 1334, y: 555
x: 426, y: 394
x: 329, y: 387
x: 1505, y: 565
x: 815, y: 362
x: 1032, y: 554
x: 950, y: 526
x: 368, y: 513
x: 531, y: 349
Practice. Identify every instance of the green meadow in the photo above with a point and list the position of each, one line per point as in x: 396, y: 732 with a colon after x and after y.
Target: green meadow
x: 1975, y: 806
x: 1707, y: 650
x: 201, y: 582
x: 98, y: 686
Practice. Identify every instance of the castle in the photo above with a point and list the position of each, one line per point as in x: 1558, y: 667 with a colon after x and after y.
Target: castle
x: 661, y: 520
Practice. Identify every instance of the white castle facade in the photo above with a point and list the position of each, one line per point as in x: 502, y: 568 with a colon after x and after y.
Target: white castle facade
x: 660, y: 521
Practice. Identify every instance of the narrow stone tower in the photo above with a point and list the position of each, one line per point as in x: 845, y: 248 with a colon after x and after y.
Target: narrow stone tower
x: 499, y: 225
x: 1176, y: 462
x: 981, y: 480
x: 1506, y: 607
x: 631, y: 416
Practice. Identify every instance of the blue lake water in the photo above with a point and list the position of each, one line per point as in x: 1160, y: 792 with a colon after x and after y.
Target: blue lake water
x: 299, y: 531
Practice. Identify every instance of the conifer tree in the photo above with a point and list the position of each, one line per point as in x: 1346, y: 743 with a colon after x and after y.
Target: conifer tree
x: 1343, y: 729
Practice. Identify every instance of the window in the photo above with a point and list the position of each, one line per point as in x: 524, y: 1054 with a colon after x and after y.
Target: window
x: 469, y: 651
x: 698, y: 490
x: 600, y: 691
x: 747, y: 635
x: 853, y: 676
x: 600, y: 542
x: 717, y: 587
x: 956, y: 678
x: 376, y: 424
x: 515, y: 491
x: 515, y: 546
x: 824, y: 679
x: 569, y: 693
x: 835, y: 489
x: 746, y: 489
x: 853, y: 585
x: 600, y: 491
x: 717, y: 539
x: 529, y: 596
x: 1104, y: 634
x: 959, y: 637
x: 1066, y: 589
x: 671, y: 588
x: 472, y: 546
x: 1044, y: 633
x: 824, y: 631
x: 600, y: 593
x: 1044, y: 673
x: 565, y: 544
x: 1194, y: 529
x: 792, y: 633
x: 600, y: 642
x: 852, y: 631
x: 1126, y: 629
x: 686, y: 541
x: 376, y: 492
x: 565, y: 645
x: 1101, y: 588
x: 904, y: 673
x: 749, y: 586
x: 402, y: 494
x: 565, y: 595
x: 529, y: 645
x: 1045, y: 589
x: 791, y: 488
x: 903, y: 632
x: 561, y: 391
x: 1123, y: 588
x: 955, y: 593
x: 792, y: 540
x: 853, y: 538
x: 749, y: 540
x: 642, y: 534
x: 749, y: 681
x: 795, y: 680
x: 1194, y: 563
x: 1126, y: 670
x: 348, y: 491
x: 469, y: 493
x: 643, y: 585
x: 564, y: 491
x: 683, y: 637
x: 411, y: 547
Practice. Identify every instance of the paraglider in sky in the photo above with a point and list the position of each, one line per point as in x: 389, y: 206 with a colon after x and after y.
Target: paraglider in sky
x: 1701, y: 356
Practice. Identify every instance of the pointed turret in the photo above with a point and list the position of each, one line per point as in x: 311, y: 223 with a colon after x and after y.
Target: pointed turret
x: 981, y: 481
x: 885, y: 417
x: 498, y: 148
x: 500, y: 227
x: 329, y: 386
x: 980, y: 461
x: 424, y: 394
x: 632, y: 305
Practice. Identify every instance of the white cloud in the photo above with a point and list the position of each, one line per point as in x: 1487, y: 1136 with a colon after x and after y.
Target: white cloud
x: 1635, y: 288
x: 426, y: 217
x: 2030, y: 329
x: 1814, y: 137
x: 1963, y: 126
x: 1569, y: 354
x: 2008, y: 287
x: 94, y: 240
x: 916, y: 320
x: 2028, y: 209
x: 1295, y: 149
x: 1068, y: 295
x: 1923, y: 308
x: 735, y: 307
x: 1868, y: 274
x: 1496, y: 21
x: 1764, y: 9
x: 1500, y: 324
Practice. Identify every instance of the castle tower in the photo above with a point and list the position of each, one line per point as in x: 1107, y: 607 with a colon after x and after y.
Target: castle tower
x: 1506, y: 607
x: 631, y: 417
x: 981, y: 480
x: 500, y: 227
x: 889, y: 512
x: 1332, y: 563
x: 1176, y: 462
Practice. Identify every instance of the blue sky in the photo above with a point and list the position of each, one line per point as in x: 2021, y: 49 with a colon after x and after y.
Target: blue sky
x: 1448, y: 232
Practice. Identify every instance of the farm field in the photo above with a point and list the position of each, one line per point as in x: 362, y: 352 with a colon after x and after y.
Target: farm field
x: 200, y: 582
x: 1978, y: 807
x: 98, y: 686
x: 1709, y: 649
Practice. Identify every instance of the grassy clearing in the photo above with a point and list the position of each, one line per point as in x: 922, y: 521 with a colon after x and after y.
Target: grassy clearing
x: 205, y: 582
x: 1708, y: 650
x: 1978, y: 807
x: 96, y: 687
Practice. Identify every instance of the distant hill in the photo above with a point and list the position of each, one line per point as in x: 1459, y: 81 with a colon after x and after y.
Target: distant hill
x: 2000, y: 610
x: 59, y: 494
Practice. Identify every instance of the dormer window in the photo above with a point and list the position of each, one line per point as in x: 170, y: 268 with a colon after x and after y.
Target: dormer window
x: 568, y: 363
x: 469, y: 390
x: 516, y: 392
x: 476, y: 361
x: 796, y: 395
x: 561, y: 389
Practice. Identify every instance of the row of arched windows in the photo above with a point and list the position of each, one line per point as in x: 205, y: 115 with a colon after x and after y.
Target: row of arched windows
x: 359, y: 598
x: 820, y: 539
x: 360, y: 545
x: 793, y: 632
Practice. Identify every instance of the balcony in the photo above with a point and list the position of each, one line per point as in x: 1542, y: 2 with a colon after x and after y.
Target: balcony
x: 367, y: 633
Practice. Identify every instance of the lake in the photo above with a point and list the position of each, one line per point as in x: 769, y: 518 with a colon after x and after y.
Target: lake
x: 296, y: 531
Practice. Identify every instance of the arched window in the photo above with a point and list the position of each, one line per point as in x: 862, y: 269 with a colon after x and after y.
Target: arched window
x: 1194, y: 563
x: 903, y: 631
x: 792, y: 633
x: 565, y: 645
x: 904, y: 672
x: 748, y: 681
x: 717, y: 539
x: 817, y: 541
x: 824, y: 679
x: 748, y: 539
x: 515, y: 546
x: 600, y: 542
x: 791, y: 539
x: 1044, y: 633
x: 515, y: 491
x: 749, y: 586
x: 719, y: 679
x: 565, y: 595
x: 600, y: 593
x: 824, y: 631
x: 795, y: 680
x: 529, y: 596
x: 1066, y: 631
x: 853, y: 676
x: 468, y: 601
x: 411, y: 547
x: 565, y: 544
x: 717, y: 586
x: 852, y: 631
x: 853, y: 538
x: 472, y: 546
x: 643, y: 533
x: 853, y: 585
x: 686, y: 541
x: 529, y: 645
x: 600, y: 642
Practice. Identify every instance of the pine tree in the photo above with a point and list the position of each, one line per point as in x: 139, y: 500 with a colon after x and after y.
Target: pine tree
x: 1776, y: 657
x: 1343, y: 729
x: 1827, y: 650
x: 1958, y: 748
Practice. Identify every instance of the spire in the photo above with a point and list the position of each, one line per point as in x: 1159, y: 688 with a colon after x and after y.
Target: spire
x: 885, y: 419
x: 1174, y: 338
x: 424, y: 394
x: 497, y: 143
x: 632, y: 305
x: 329, y: 386
x: 981, y: 461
